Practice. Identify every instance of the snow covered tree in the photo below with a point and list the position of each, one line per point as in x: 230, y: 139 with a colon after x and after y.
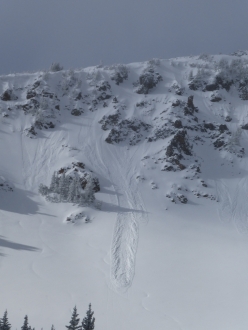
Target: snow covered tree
x: 89, y: 190
x: 72, y: 191
x: 52, y: 328
x: 54, y: 183
x: 4, y: 322
x: 63, y: 189
x: 74, y: 320
x: 88, y: 322
x: 77, y: 190
x: 43, y: 190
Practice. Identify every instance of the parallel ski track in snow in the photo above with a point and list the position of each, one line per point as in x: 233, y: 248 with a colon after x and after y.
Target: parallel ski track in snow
x: 234, y: 208
x: 118, y: 166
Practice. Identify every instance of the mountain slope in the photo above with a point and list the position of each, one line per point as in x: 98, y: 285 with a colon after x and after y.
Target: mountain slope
x: 166, y: 243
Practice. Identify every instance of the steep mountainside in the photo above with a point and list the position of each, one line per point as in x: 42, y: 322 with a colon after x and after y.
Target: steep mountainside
x: 126, y: 186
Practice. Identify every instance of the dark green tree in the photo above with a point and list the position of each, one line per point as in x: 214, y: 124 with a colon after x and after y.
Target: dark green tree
x: 74, y: 320
x: 88, y: 322
x: 25, y: 323
x: 4, y: 322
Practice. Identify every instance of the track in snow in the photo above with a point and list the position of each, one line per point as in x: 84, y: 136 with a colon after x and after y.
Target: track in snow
x: 119, y: 167
x: 225, y: 209
x: 234, y: 208
x: 240, y: 213
x: 123, y: 251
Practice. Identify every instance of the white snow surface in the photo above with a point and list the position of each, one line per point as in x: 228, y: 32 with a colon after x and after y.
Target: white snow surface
x: 143, y: 261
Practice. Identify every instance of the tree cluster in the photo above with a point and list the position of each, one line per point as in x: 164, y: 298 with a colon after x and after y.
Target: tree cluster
x: 68, y: 189
x: 88, y: 322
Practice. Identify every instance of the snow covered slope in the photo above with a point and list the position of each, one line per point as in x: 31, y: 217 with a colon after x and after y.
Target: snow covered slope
x: 164, y: 245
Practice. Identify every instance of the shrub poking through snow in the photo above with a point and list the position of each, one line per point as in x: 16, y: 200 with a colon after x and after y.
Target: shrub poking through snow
x: 120, y: 74
x: 55, y: 67
x: 147, y: 81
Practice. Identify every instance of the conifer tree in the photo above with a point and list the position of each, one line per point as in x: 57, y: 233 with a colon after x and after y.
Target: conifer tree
x: 77, y: 190
x: 54, y: 183
x: 4, y: 322
x: 25, y: 324
x: 74, y: 321
x: 89, y: 190
x: 72, y: 191
x: 88, y: 322
x: 52, y: 328
x: 63, y: 190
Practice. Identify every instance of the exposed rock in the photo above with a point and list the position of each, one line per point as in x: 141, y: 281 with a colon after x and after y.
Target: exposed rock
x: 228, y: 119
x: 211, y: 87
x: 76, y: 112
x: 130, y: 130
x: 182, y: 199
x: 243, y: 90
x: 78, y: 97
x: 110, y: 121
x: 178, y: 90
x: 223, y: 83
x: 178, y: 145
x: 223, y: 128
x: 160, y: 133
x: 102, y: 92
x: 245, y: 126
x: 168, y: 168
x: 49, y: 95
x: 176, y: 103
x: 190, y: 108
x: 8, y: 95
x: 30, y: 132
x: 178, y: 124
x: 219, y: 143
x: 40, y: 124
x: 103, y: 86
x: 209, y: 126
x: 30, y: 94
x: 215, y: 98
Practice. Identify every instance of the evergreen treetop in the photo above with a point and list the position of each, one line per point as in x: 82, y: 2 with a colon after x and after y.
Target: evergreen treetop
x: 4, y: 322
x: 25, y: 323
x: 74, y: 320
x: 88, y: 322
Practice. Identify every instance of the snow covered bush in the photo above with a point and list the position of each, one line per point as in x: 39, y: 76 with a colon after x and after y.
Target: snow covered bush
x: 70, y: 80
x: 147, y: 80
x: 120, y: 74
x: 199, y: 80
x: 55, y: 67
x: 235, y: 72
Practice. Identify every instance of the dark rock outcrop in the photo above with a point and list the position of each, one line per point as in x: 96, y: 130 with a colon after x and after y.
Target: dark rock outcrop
x: 178, y: 145
x: 8, y: 95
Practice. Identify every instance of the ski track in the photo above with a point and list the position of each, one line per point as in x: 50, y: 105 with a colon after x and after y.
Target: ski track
x: 234, y: 208
x: 241, y: 209
x: 225, y: 209
x: 119, y: 171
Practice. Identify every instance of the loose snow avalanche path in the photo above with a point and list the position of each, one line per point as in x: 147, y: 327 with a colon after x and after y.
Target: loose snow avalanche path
x: 118, y: 166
